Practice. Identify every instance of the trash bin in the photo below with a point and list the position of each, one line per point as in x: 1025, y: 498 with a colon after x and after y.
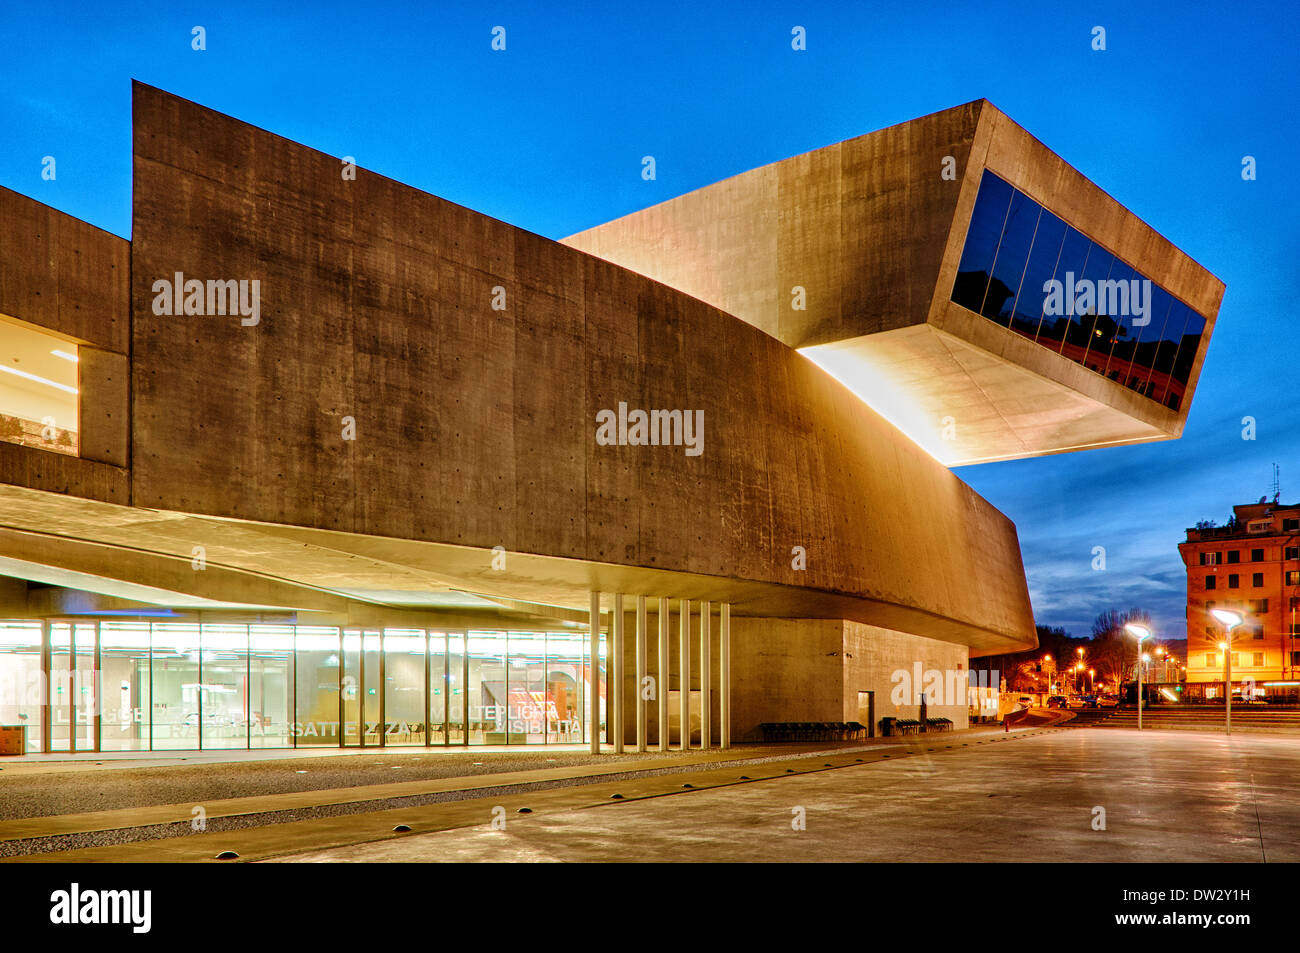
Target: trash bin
x: 13, y: 739
x: 887, y: 727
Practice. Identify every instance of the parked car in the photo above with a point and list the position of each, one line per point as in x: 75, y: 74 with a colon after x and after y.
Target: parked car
x: 1056, y: 701
x: 1108, y: 701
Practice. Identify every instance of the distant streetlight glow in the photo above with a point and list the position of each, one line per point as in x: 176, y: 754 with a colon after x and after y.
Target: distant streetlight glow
x: 1229, y: 620
x: 1141, y: 633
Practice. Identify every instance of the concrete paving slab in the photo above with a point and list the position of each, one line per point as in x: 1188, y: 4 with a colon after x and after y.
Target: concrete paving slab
x: 1166, y: 797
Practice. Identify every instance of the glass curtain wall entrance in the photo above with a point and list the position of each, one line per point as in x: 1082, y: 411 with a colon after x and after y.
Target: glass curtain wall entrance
x: 112, y: 685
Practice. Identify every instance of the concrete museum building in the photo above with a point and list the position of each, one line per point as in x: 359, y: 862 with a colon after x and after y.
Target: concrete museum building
x: 316, y: 458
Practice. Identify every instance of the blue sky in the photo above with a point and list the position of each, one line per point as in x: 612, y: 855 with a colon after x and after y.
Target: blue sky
x: 549, y: 136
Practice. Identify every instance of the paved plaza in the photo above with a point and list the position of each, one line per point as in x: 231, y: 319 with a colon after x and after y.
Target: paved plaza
x: 1166, y: 797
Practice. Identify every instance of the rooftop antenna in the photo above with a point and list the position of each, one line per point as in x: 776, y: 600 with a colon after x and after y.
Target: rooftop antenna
x: 1277, y: 483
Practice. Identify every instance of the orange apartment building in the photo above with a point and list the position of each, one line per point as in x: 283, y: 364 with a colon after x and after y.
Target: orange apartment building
x: 1251, y: 565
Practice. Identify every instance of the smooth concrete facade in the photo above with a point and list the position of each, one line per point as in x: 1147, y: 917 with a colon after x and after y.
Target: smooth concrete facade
x: 823, y: 670
x: 871, y: 231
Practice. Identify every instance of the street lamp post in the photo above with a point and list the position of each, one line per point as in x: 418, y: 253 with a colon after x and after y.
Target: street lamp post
x: 1141, y: 633
x: 1229, y: 620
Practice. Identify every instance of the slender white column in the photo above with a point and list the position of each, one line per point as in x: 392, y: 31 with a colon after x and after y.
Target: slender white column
x: 642, y: 706
x: 593, y: 679
x: 706, y: 676
x: 684, y: 674
x: 661, y: 674
x: 616, y: 672
x: 724, y: 686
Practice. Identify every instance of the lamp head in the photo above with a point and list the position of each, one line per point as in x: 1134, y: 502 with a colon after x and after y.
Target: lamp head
x: 1227, y: 617
x: 1141, y: 632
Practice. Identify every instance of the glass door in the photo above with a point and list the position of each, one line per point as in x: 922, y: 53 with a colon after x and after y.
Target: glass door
x: 85, y: 688
x: 457, y: 679
x: 438, y: 699
x: 362, y: 686
x: 350, y: 688
x: 61, y: 678
x: 405, y: 709
x: 372, y: 695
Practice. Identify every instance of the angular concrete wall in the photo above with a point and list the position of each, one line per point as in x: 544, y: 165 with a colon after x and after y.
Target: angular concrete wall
x: 476, y: 426
x: 813, y: 670
x: 860, y: 225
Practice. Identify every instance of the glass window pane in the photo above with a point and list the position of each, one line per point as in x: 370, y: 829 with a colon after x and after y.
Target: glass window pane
x: 270, y: 681
x: 223, y: 692
x: 528, y: 714
x: 404, y: 667
x: 316, y: 681
x: 487, y: 688
x: 1080, y: 328
x: 21, y: 680
x: 1056, y: 318
x: 124, y: 655
x: 1187, y: 350
x: 1113, y: 313
x: 439, y: 688
x: 371, y: 703
x: 982, y: 237
x: 351, y: 688
x: 40, y: 385
x: 85, y: 682
x: 1042, y: 264
x: 1009, y: 266
x: 565, y: 674
x: 458, y: 686
x: 175, y: 695
x: 61, y: 688
x: 1136, y: 370
x: 1170, y: 337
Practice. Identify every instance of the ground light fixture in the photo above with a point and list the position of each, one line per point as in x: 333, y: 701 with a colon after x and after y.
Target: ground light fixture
x: 1229, y: 620
x: 1141, y: 633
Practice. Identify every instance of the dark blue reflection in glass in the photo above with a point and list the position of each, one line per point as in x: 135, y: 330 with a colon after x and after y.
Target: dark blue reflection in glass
x: 1137, y: 371
x: 1042, y: 264
x: 1114, y: 321
x: 1079, y: 330
x: 1014, y: 248
x: 982, y: 238
x: 1162, y: 370
x: 1096, y: 315
x: 1009, y: 268
x: 1074, y: 253
x: 1188, y: 348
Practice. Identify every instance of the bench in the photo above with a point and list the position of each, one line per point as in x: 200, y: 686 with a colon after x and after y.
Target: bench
x: 812, y: 730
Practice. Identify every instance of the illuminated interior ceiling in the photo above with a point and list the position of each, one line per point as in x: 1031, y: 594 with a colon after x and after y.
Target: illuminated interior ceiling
x: 38, y: 374
x: 965, y: 405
